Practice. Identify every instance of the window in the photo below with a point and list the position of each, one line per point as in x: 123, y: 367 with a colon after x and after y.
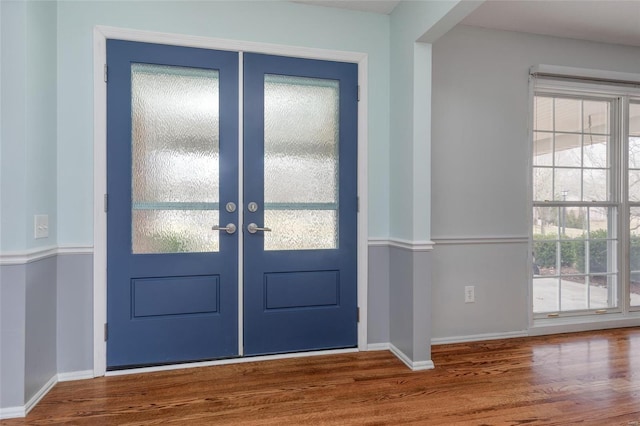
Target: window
x: 586, y: 198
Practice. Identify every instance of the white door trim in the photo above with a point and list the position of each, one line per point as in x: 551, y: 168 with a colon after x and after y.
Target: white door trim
x: 100, y: 36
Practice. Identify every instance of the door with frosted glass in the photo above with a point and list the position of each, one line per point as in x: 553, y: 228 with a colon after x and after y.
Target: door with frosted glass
x: 172, y: 126
x: 300, y: 204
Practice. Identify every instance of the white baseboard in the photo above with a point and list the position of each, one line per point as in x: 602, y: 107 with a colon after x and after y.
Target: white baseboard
x: 12, y: 412
x: 478, y: 337
x: 75, y: 375
x: 378, y: 347
x: 15, y: 412
x: 413, y: 365
x: 40, y: 394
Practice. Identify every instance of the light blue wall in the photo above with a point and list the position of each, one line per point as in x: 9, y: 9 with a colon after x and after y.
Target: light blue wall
x: 12, y: 170
x: 41, y: 119
x: 270, y: 22
x: 28, y: 175
x: 27, y: 187
x: 414, y: 24
x: 409, y: 197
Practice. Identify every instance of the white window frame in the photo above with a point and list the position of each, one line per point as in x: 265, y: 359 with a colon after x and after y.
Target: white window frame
x: 621, y: 89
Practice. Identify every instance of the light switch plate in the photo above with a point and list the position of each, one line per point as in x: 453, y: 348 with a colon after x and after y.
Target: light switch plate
x: 41, y: 226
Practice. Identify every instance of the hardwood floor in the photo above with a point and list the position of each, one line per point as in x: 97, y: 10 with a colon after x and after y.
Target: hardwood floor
x: 585, y: 378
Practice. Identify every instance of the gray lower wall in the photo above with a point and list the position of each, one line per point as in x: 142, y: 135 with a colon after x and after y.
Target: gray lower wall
x: 401, y: 299
x: 499, y: 273
x: 422, y: 305
x: 28, y: 312
x: 75, y: 313
x: 410, y: 302
x: 46, y: 323
x: 40, y: 325
x: 12, y: 335
x: 378, y: 295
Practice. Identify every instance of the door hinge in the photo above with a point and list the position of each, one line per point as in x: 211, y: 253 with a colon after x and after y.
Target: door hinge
x: 358, y: 93
x: 106, y: 331
x: 358, y: 310
x: 106, y: 203
x: 106, y: 73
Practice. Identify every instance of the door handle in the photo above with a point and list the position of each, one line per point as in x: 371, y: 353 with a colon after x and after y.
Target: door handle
x: 230, y: 228
x: 253, y: 228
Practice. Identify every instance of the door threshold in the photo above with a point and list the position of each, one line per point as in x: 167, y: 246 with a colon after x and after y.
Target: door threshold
x: 228, y: 361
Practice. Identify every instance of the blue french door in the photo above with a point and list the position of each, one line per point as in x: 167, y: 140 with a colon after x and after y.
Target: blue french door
x: 172, y: 156
x: 174, y: 206
x: 300, y: 192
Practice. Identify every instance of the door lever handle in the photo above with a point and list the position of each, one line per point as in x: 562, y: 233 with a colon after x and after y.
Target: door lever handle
x: 230, y: 228
x: 253, y: 228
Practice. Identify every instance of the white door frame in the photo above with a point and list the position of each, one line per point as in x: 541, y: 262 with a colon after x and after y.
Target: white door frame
x: 100, y: 36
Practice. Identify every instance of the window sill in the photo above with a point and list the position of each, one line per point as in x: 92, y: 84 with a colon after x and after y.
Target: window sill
x: 545, y: 326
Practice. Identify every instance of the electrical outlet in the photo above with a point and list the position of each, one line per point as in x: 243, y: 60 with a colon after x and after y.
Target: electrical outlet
x: 470, y: 294
x: 40, y: 226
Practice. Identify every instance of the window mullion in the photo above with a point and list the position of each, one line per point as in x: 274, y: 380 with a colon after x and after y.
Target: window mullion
x: 624, y: 228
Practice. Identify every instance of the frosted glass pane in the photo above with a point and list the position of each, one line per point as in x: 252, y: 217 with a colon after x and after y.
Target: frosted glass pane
x: 301, y: 117
x: 175, y: 134
x: 301, y: 229
x: 174, y: 159
x: 174, y: 231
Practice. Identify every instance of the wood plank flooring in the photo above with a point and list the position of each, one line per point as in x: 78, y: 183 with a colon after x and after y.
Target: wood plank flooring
x: 585, y: 378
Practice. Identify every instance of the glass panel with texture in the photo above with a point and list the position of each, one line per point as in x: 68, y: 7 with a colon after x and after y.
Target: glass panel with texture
x: 175, y: 158
x: 301, y: 117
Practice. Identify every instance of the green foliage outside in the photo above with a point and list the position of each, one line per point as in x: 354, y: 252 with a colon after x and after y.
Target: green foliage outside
x: 545, y: 250
x: 572, y: 252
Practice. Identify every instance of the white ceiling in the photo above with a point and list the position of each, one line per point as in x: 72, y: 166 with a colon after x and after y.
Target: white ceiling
x: 608, y: 21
